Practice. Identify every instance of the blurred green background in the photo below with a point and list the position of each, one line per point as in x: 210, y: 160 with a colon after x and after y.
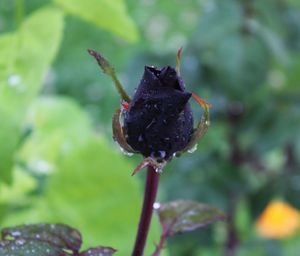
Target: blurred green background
x: 57, y: 159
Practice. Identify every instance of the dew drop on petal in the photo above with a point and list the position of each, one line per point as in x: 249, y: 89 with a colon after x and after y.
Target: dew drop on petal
x: 162, y: 154
x: 193, y: 149
x: 140, y: 139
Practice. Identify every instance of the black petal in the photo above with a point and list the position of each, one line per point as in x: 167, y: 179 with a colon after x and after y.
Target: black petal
x: 159, y: 119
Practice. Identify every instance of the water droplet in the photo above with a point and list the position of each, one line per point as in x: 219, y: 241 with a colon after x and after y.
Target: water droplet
x: 193, y: 149
x: 162, y: 154
x: 126, y: 153
x: 41, y: 166
x: 159, y: 169
x: 156, y: 206
x: 140, y: 139
x: 16, y: 233
x: 207, y: 123
x: 20, y: 241
x: 185, y: 221
x: 14, y: 80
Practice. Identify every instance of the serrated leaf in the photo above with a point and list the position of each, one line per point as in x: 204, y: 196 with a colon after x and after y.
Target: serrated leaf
x: 110, y: 15
x: 60, y: 235
x: 184, y: 215
x: 99, y: 251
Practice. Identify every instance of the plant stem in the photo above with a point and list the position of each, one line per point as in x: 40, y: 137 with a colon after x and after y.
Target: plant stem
x: 160, y: 246
x: 232, y: 240
x: 151, y: 186
x: 109, y: 70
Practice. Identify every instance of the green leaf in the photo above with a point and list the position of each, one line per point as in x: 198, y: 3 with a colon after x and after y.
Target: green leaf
x: 15, y: 193
x: 46, y: 240
x: 98, y: 251
x: 184, y: 215
x: 9, y: 132
x: 54, y: 132
x: 291, y: 74
x: 274, y: 42
x: 58, y: 234
x: 25, y: 57
x: 294, y: 3
x: 110, y: 15
x: 21, y: 247
x: 95, y: 192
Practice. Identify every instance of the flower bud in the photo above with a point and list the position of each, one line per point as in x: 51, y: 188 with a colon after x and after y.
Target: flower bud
x: 158, y: 121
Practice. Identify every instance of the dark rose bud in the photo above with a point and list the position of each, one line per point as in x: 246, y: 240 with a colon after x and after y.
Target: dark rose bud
x: 159, y: 122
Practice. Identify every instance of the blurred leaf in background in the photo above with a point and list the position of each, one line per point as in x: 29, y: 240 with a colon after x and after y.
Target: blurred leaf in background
x: 25, y: 59
x: 243, y: 56
x: 110, y: 15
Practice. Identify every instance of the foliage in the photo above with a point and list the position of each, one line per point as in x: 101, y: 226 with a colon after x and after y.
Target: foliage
x: 107, y: 14
x: 242, y: 55
x: 184, y: 215
x: 46, y: 239
x: 24, y: 63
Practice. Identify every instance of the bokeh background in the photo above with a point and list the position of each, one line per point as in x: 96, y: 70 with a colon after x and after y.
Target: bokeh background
x: 59, y: 163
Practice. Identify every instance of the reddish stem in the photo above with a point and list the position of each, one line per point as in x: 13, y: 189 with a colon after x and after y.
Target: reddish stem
x: 146, y: 214
x: 161, y: 244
